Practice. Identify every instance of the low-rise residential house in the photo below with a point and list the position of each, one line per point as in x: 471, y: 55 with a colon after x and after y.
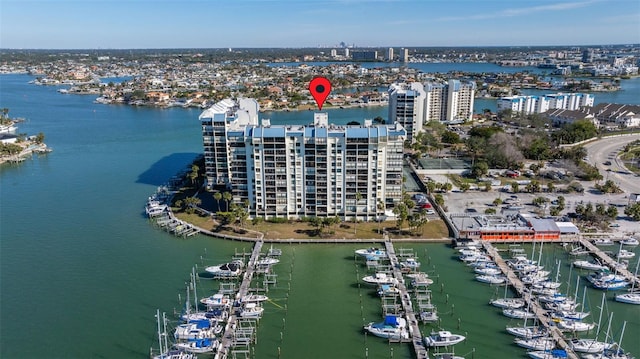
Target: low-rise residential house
x: 619, y: 114
x: 562, y: 117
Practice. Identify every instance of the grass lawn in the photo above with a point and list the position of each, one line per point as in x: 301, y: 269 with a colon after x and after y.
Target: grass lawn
x: 303, y: 230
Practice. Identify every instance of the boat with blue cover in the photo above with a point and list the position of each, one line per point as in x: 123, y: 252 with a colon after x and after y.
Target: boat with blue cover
x: 393, y: 327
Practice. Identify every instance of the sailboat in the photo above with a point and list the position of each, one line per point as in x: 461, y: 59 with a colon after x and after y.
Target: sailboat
x: 165, y: 353
x: 587, y: 345
x: 633, y: 297
x: 509, y: 303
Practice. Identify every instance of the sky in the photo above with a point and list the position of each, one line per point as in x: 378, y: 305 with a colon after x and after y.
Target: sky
x: 144, y: 24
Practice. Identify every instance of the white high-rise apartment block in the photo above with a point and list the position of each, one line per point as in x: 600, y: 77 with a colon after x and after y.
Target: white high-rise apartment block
x: 390, y: 54
x: 460, y: 97
x: 404, y: 55
x: 406, y: 107
x: 413, y: 105
x: 540, y: 104
x: 451, y: 101
x: 296, y: 171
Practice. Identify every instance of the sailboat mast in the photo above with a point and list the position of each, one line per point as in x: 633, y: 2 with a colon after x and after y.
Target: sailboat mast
x: 619, y: 349
x: 600, y: 318
x: 195, y: 293
x: 606, y: 337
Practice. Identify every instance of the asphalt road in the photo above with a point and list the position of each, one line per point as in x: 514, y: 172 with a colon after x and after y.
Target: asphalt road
x: 607, y: 149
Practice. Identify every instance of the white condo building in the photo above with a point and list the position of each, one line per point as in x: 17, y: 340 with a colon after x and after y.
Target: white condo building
x: 406, y: 107
x: 450, y: 101
x: 296, y: 171
x: 415, y: 104
x: 540, y: 104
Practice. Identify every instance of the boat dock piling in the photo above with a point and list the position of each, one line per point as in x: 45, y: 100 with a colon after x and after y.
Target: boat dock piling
x: 412, y: 322
x: 541, y: 314
x: 608, y: 261
x: 239, y: 333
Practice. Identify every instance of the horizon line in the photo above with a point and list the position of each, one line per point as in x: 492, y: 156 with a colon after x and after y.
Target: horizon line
x: 314, y: 47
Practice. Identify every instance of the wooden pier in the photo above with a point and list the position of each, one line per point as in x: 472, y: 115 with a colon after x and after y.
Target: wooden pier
x: 412, y: 322
x: 234, y: 326
x: 609, y: 262
x: 533, y: 305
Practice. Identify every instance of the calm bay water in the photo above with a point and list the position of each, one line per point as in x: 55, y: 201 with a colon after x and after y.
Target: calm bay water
x: 82, y: 272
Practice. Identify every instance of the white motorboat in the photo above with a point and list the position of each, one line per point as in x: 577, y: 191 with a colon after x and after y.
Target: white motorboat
x: 196, y: 329
x: 487, y: 270
x: 541, y: 343
x: 409, y: 265
x: 491, y: 279
x: 251, y: 310
x: 372, y: 253
x: 198, y: 346
x: 630, y: 241
x: 532, y: 331
x: 547, y: 354
x: 574, y: 325
x: 379, y: 279
x: 446, y: 356
x: 231, y: 269
x: 508, y: 303
x: 588, y: 345
x: 518, y: 314
x: 267, y: 261
x: 217, y: 300
x: 625, y: 254
x: 388, y: 290
x: 443, y: 338
x: 421, y: 280
x: 393, y: 327
x: 603, y: 242
x: 254, y: 298
x: 588, y: 265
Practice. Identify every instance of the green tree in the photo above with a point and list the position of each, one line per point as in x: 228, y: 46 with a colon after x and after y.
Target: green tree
x: 465, y: 186
x: 193, y: 176
x: 633, y: 211
x: 217, y: 196
x: 479, y: 169
x: 39, y: 138
x: 450, y: 137
x: 227, y: 196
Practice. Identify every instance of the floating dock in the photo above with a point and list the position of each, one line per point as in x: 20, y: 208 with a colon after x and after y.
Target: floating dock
x: 239, y: 332
x: 609, y: 262
x: 533, y: 305
x: 416, y: 336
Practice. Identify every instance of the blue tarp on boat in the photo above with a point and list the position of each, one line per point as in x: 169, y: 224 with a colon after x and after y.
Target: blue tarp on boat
x: 391, y: 320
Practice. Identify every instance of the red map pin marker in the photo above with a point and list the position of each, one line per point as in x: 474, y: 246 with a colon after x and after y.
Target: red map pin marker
x: 320, y: 88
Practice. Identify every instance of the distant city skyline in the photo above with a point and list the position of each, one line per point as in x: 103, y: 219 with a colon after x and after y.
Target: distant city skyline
x: 142, y: 24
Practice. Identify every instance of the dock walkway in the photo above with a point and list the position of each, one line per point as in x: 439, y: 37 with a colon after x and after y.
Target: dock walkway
x: 416, y: 336
x: 608, y: 261
x: 227, y: 339
x: 533, y: 305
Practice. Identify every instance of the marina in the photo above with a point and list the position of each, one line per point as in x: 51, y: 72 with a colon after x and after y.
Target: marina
x: 142, y: 268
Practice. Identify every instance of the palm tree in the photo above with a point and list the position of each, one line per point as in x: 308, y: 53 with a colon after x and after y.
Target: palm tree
x: 217, y: 196
x: 193, y: 176
x: 227, y: 197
